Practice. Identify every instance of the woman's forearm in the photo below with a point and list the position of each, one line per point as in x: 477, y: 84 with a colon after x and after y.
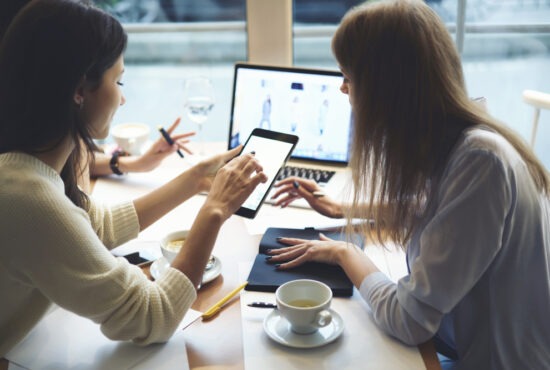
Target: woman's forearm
x: 355, y: 264
x: 100, y: 165
x: 125, y: 164
x: 162, y: 200
x: 198, y: 245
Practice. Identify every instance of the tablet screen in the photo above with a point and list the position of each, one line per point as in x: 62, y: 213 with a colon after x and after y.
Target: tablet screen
x: 272, y: 151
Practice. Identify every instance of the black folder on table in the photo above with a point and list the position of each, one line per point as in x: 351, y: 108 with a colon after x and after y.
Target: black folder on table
x: 264, y: 277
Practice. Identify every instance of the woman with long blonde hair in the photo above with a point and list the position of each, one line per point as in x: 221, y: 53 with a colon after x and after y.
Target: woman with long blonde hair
x: 464, y: 194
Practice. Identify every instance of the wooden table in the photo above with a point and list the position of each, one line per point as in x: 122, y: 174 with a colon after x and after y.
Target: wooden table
x: 217, y: 344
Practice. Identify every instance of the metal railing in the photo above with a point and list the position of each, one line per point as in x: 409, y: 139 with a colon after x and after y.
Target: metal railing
x: 320, y: 30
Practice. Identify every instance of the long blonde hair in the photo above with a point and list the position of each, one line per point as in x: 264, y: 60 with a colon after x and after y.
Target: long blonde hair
x: 410, y: 108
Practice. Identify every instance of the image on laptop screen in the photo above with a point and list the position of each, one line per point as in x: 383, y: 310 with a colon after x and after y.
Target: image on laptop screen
x: 304, y: 102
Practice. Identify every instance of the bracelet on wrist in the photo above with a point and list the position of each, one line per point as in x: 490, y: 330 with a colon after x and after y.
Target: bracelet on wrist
x: 113, y: 163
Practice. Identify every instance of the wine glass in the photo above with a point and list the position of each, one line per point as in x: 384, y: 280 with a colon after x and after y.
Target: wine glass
x: 198, y: 101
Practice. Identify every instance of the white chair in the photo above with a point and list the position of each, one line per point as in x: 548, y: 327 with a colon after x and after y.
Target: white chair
x: 538, y: 100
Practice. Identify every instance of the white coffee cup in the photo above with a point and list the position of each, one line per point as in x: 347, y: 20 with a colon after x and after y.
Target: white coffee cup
x: 305, y: 305
x: 171, y: 243
x: 131, y: 136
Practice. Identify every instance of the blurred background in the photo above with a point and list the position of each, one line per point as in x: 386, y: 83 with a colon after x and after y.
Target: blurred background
x: 505, y: 48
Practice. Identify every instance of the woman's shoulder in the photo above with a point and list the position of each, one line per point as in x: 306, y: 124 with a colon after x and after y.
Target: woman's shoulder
x: 483, y: 141
x: 481, y: 137
x: 482, y: 150
x: 29, y: 183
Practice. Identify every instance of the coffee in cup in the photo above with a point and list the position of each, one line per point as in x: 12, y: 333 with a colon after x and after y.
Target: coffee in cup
x: 131, y: 137
x: 171, y: 244
x: 305, y: 305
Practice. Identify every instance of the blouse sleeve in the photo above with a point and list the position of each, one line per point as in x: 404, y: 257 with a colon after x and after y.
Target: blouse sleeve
x: 455, y: 249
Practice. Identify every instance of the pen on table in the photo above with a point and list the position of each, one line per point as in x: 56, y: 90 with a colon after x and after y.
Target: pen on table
x: 212, y: 311
x: 262, y: 305
x: 168, y: 139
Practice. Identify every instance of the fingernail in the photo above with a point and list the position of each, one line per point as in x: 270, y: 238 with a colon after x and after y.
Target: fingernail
x: 279, y: 237
x: 277, y: 265
x: 296, y: 184
x: 268, y: 251
x: 253, y: 152
x: 268, y: 258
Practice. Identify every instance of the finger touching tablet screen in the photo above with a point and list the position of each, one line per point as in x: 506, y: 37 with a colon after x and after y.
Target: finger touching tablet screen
x: 272, y: 151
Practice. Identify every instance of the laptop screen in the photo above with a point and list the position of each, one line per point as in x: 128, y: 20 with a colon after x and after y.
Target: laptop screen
x: 304, y: 102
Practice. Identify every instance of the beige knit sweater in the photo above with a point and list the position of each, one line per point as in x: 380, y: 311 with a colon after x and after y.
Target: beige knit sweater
x: 53, y: 251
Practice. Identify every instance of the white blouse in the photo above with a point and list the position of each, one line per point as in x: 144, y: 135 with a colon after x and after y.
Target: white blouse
x: 480, y: 265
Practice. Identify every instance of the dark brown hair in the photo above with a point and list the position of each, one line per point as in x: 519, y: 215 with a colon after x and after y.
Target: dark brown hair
x: 47, y: 51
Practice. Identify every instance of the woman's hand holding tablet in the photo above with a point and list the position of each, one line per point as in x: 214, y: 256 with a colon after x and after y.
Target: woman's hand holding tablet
x: 272, y: 149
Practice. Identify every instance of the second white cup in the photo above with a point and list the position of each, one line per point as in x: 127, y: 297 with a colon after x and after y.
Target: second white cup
x: 171, y: 244
x: 305, y: 305
x: 131, y: 136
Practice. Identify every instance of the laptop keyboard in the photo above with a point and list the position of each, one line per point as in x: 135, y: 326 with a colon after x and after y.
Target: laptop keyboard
x: 320, y: 176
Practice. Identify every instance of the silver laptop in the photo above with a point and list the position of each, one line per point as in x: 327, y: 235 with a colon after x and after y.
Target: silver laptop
x: 304, y: 102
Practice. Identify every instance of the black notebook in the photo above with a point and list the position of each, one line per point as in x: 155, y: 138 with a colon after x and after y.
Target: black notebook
x: 264, y: 277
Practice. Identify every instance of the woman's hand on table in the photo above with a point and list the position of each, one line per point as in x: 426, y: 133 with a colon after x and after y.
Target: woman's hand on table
x: 293, y: 188
x: 351, y: 258
x: 300, y: 251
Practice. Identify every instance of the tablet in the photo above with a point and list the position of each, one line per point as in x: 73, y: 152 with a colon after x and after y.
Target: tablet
x: 272, y: 151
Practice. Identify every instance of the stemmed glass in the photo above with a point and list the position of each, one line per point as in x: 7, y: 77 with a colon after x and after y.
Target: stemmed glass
x: 198, y: 101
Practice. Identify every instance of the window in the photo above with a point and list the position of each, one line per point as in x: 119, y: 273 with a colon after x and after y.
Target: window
x: 504, y: 45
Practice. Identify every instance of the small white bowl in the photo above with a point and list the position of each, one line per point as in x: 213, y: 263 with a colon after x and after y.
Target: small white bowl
x: 169, y: 251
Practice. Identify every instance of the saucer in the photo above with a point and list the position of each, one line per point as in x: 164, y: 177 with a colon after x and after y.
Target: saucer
x: 278, y: 329
x: 160, y: 265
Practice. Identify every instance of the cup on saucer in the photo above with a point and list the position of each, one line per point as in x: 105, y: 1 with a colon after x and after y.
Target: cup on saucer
x: 171, y: 244
x: 305, y: 304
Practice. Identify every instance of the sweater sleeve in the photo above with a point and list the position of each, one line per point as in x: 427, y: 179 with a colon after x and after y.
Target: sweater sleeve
x: 65, y: 260
x: 114, y: 224
x: 455, y: 249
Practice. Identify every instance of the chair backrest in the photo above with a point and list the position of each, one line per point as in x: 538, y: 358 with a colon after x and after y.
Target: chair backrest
x: 538, y: 100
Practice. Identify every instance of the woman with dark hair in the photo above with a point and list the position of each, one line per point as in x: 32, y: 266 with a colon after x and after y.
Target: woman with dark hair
x: 464, y: 194
x: 60, y: 69
x: 118, y: 163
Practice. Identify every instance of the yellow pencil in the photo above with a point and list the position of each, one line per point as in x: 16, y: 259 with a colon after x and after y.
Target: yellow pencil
x: 212, y: 311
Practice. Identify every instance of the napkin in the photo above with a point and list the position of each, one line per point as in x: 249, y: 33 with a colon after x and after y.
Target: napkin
x: 362, y: 345
x: 64, y: 340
